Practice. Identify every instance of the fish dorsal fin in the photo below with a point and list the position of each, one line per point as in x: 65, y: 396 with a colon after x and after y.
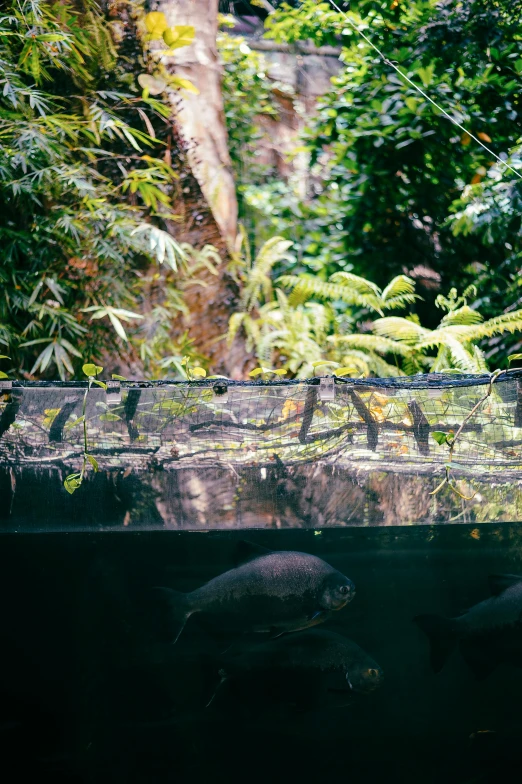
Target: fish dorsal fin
x: 247, y: 551
x: 498, y: 583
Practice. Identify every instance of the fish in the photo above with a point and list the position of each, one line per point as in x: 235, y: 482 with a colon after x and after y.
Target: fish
x: 268, y: 591
x: 306, y: 667
x: 488, y: 634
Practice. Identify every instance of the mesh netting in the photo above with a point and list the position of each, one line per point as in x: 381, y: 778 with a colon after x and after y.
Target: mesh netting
x: 268, y: 446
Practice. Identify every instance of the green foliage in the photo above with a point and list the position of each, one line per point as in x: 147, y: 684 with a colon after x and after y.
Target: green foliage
x: 73, y: 481
x: 248, y: 96
x: 454, y: 340
x: 301, y: 333
x: 387, y: 169
x: 85, y: 190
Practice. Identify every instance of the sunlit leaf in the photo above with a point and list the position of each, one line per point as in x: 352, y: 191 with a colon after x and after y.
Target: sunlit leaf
x: 118, y: 326
x: 92, y: 460
x: 91, y: 370
x: 109, y: 417
x: 153, y: 84
x: 72, y: 482
x: 181, y: 35
x: 185, y: 84
x: 156, y: 23
x: 74, y: 423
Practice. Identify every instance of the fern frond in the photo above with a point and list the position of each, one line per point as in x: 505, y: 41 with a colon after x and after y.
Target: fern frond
x: 320, y: 317
x: 461, y: 358
x: 274, y: 250
x: 441, y: 361
x: 442, y: 336
x: 508, y: 322
x: 394, y: 303
x: 381, y: 368
x: 464, y: 315
x: 480, y: 360
x: 305, y: 286
x: 234, y: 325
x: 355, y: 282
x: 357, y: 360
x: 400, y: 329
x: 259, y: 282
x: 414, y: 362
x: 375, y: 343
x: 398, y: 287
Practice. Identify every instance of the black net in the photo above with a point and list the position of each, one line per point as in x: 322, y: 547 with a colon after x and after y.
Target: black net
x: 223, y: 454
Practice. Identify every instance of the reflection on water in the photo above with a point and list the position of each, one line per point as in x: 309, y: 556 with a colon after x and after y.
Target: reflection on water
x: 92, y: 688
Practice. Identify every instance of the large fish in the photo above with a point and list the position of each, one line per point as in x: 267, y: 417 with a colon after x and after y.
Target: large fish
x: 309, y: 667
x: 274, y: 592
x: 487, y: 634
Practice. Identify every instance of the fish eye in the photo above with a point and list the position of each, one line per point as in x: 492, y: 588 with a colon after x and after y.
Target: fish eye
x: 344, y: 589
x: 373, y: 673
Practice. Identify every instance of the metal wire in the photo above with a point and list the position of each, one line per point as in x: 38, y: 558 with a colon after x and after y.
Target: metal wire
x: 419, y: 90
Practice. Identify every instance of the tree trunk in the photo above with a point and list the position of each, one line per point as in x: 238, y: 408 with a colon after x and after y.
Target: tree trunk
x: 200, y: 121
x: 200, y: 118
x: 206, y: 220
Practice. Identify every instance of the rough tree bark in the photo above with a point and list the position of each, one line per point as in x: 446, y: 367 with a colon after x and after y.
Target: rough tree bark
x: 200, y: 118
x: 200, y: 121
x: 206, y: 199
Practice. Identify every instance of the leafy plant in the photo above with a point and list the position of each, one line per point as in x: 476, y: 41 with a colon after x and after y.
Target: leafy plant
x: 73, y: 481
x: 387, y: 169
x: 456, y: 338
x: 87, y: 179
x: 450, y: 439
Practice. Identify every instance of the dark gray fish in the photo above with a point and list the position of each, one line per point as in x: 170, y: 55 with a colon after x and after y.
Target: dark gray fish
x: 274, y: 592
x: 316, y: 663
x: 487, y: 634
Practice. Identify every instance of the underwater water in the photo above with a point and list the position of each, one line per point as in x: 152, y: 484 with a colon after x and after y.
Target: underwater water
x: 92, y: 688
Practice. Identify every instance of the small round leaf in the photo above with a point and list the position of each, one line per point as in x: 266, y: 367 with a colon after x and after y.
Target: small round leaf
x: 91, y: 370
x: 156, y: 23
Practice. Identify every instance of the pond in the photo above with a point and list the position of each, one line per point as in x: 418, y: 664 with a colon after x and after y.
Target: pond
x: 93, y: 689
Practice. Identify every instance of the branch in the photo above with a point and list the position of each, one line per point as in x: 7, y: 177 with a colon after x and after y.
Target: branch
x: 299, y: 47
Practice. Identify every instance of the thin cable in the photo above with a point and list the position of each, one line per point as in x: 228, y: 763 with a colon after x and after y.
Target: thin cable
x: 427, y: 97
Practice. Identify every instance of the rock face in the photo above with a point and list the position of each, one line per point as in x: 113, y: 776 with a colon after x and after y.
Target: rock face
x: 301, y: 74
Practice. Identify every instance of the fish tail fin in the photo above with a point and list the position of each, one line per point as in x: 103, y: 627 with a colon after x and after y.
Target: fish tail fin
x: 177, y: 610
x: 442, y: 635
x: 223, y: 677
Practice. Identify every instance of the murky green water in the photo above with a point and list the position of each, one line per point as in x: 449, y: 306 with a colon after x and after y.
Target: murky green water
x: 90, y: 691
